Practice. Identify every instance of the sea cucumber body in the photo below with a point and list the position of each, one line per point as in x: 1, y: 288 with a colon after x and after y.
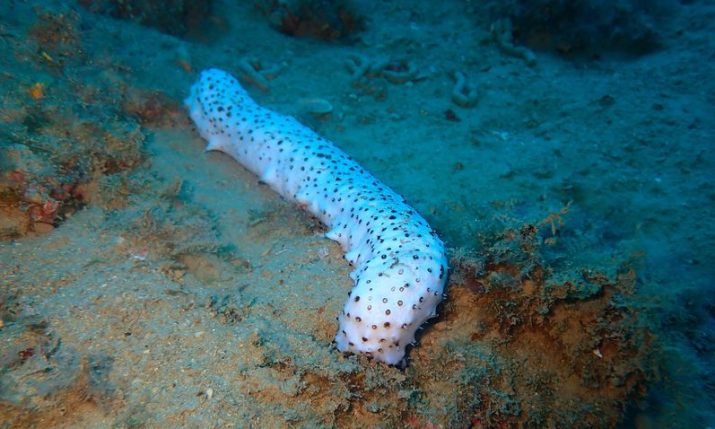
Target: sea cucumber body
x: 400, y: 263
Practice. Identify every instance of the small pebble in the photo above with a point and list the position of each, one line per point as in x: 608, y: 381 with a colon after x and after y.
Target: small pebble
x: 317, y: 106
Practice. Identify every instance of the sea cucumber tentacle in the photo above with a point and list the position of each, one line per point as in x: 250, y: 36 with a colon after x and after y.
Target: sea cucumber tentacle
x: 400, y: 263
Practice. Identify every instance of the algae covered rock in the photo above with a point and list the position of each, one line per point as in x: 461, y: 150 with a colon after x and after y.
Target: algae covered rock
x: 632, y: 27
x: 175, y: 17
x: 322, y: 19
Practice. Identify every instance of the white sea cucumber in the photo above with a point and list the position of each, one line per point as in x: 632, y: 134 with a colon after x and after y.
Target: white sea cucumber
x: 400, y: 263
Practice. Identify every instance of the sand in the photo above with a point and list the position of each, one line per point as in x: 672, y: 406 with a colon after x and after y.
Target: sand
x: 146, y: 283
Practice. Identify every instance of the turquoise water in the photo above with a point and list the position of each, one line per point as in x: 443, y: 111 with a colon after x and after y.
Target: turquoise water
x: 570, y: 140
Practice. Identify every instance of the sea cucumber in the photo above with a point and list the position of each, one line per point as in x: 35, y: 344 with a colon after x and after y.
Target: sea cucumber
x: 400, y: 263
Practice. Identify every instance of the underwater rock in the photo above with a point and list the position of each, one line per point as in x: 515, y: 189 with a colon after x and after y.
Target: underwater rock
x: 318, y: 107
x: 175, y: 17
x: 322, y: 19
x: 590, y: 27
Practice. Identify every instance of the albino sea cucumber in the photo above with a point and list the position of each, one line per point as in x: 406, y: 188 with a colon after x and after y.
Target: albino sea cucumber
x: 400, y: 263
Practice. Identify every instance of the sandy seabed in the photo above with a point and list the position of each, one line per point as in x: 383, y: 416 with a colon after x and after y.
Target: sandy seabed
x: 146, y: 283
